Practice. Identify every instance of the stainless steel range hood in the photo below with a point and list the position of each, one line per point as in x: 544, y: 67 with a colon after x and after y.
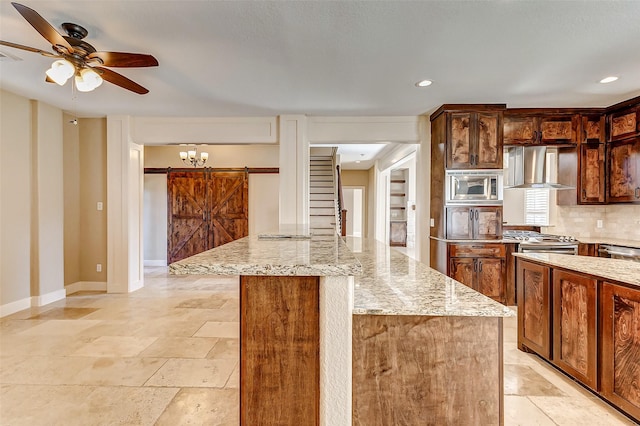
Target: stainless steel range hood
x: 534, y: 170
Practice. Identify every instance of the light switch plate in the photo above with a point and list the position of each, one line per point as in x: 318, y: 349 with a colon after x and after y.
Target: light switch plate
x: 99, y: 205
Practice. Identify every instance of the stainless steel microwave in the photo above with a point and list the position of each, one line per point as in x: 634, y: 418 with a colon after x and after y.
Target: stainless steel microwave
x: 474, y: 187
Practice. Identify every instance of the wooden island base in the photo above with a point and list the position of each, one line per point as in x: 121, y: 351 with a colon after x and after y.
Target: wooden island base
x: 280, y: 350
x: 410, y: 370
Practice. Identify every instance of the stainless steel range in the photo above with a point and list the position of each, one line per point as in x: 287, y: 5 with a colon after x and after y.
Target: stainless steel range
x: 535, y: 242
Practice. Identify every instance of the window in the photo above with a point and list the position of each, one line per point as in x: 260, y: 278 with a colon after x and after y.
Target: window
x: 536, y: 207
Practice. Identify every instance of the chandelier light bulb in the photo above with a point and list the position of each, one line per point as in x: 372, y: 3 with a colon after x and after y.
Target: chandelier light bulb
x: 191, y: 157
x: 60, y: 71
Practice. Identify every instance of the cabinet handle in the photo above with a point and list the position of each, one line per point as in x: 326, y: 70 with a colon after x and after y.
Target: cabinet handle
x: 477, y: 215
x: 585, y: 135
x: 475, y: 265
x: 540, y: 136
x: 480, y: 266
x: 584, y: 194
x: 637, y: 192
x: 535, y: 135
x: 477, y: 159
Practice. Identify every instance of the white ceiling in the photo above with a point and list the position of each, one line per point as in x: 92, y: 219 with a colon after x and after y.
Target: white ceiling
x: 245, y: 58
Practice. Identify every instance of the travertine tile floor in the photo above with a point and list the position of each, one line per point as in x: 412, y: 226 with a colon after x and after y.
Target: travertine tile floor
x: 168, y: 355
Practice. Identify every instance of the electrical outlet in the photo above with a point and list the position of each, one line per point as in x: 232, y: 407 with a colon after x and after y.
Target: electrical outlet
x: 99, y: 205
x: 599, y: 223
x: 433, y: 222
x: 98, y: 267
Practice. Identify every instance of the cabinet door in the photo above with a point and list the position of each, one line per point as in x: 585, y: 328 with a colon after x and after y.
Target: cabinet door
x: 624, y: 171
x: 624, y: 124
x: 534, y: 310
x: 489, y: 141
x: 593, y: 129
x: 592, y: 182
x: 487, y: 223
x: 459, y: 149
x: 463, y: 269
x: 559, y: 129
x: 620, y: 375
x: 519, y: 130
x: 574, y: 326
x: 490, y: 280
x: 459, y: 223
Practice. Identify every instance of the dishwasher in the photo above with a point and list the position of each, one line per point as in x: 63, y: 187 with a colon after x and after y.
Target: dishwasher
x: 619, y: 252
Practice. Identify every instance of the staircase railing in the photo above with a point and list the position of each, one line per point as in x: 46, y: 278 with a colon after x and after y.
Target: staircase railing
x: 342, y: 212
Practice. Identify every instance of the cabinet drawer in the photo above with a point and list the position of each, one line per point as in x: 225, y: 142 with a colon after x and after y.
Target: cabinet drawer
x: 476, y: 250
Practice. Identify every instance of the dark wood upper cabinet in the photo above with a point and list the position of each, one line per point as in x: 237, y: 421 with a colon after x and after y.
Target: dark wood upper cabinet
x: 620, y: 313
x: 474, y: 223
x: 593, y: 128
x: 591, y: 182
x: 474, y: 140
x: 623, y: 185
x: 575, y: 341
x: 543, y: 129
x: 625, y: 123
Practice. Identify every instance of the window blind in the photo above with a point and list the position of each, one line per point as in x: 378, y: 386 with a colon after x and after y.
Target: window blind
x: 536, y: 207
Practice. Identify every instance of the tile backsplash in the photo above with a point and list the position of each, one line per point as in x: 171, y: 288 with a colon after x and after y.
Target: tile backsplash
x: 619, y: 221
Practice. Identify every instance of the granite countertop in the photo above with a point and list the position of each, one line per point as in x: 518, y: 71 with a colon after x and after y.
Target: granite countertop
x: 613, y: 241
x: 623, y: 271
x: 275, y: 254
x: 395, y: 284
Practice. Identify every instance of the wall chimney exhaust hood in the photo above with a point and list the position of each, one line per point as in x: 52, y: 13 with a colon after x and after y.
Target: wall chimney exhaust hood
x: 534, y: 170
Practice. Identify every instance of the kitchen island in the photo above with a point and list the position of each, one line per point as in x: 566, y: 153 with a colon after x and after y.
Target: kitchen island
x: 366, y: 336
x: 426, y: 348
x: 582, y: 314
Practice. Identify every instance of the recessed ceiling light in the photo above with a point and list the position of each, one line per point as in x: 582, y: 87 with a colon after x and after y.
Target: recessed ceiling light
x: 424, y: 83
x: 608, y: 79
x: 357, y: 161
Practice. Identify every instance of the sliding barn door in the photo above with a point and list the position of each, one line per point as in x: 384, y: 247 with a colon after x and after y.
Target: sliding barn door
x: 229, y: 207
x: 205, y: 210
x: 187, y: 208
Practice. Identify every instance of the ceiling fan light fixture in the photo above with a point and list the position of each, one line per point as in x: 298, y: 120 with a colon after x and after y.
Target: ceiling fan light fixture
x: 424, y: 83
x: 87, y: 80
x: 60, y: 71
x: 609, y: 79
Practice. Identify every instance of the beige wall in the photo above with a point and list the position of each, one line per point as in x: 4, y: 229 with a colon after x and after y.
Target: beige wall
x: 263, y: 190
x: 620, y: 221
x: 47, y: 212
x: 93, y: 189
x: 15, y: 198
x: 361, y: 178
x: 71, y: 171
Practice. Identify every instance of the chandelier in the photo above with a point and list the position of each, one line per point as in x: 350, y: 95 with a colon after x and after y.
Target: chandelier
x: 86, y: 79
x: 190, y: 157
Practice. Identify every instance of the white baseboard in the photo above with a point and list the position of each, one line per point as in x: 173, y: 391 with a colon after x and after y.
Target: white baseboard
x: 85, y: 286
x: 155, y: 263
x: 13, y: 307
x: 45, y: 299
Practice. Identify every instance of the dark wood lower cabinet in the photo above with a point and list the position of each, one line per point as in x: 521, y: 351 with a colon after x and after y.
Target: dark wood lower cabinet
x: 620, y: 309
x: 575, y: 341
x: 595, y: 333
x: 534, y: 308
x: 481, y: 267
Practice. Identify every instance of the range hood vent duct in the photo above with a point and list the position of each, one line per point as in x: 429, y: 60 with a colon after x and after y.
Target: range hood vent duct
x: 534, y: 170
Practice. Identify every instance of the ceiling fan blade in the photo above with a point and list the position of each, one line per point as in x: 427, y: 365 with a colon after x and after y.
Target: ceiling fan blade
x: 29, y: 49
x: 43, y: 27
x: 120, y: 80
x: 48, y: 79
x: 120, y: 59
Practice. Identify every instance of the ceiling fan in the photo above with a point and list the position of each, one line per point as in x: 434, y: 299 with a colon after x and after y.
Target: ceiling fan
x: 77, y: 58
